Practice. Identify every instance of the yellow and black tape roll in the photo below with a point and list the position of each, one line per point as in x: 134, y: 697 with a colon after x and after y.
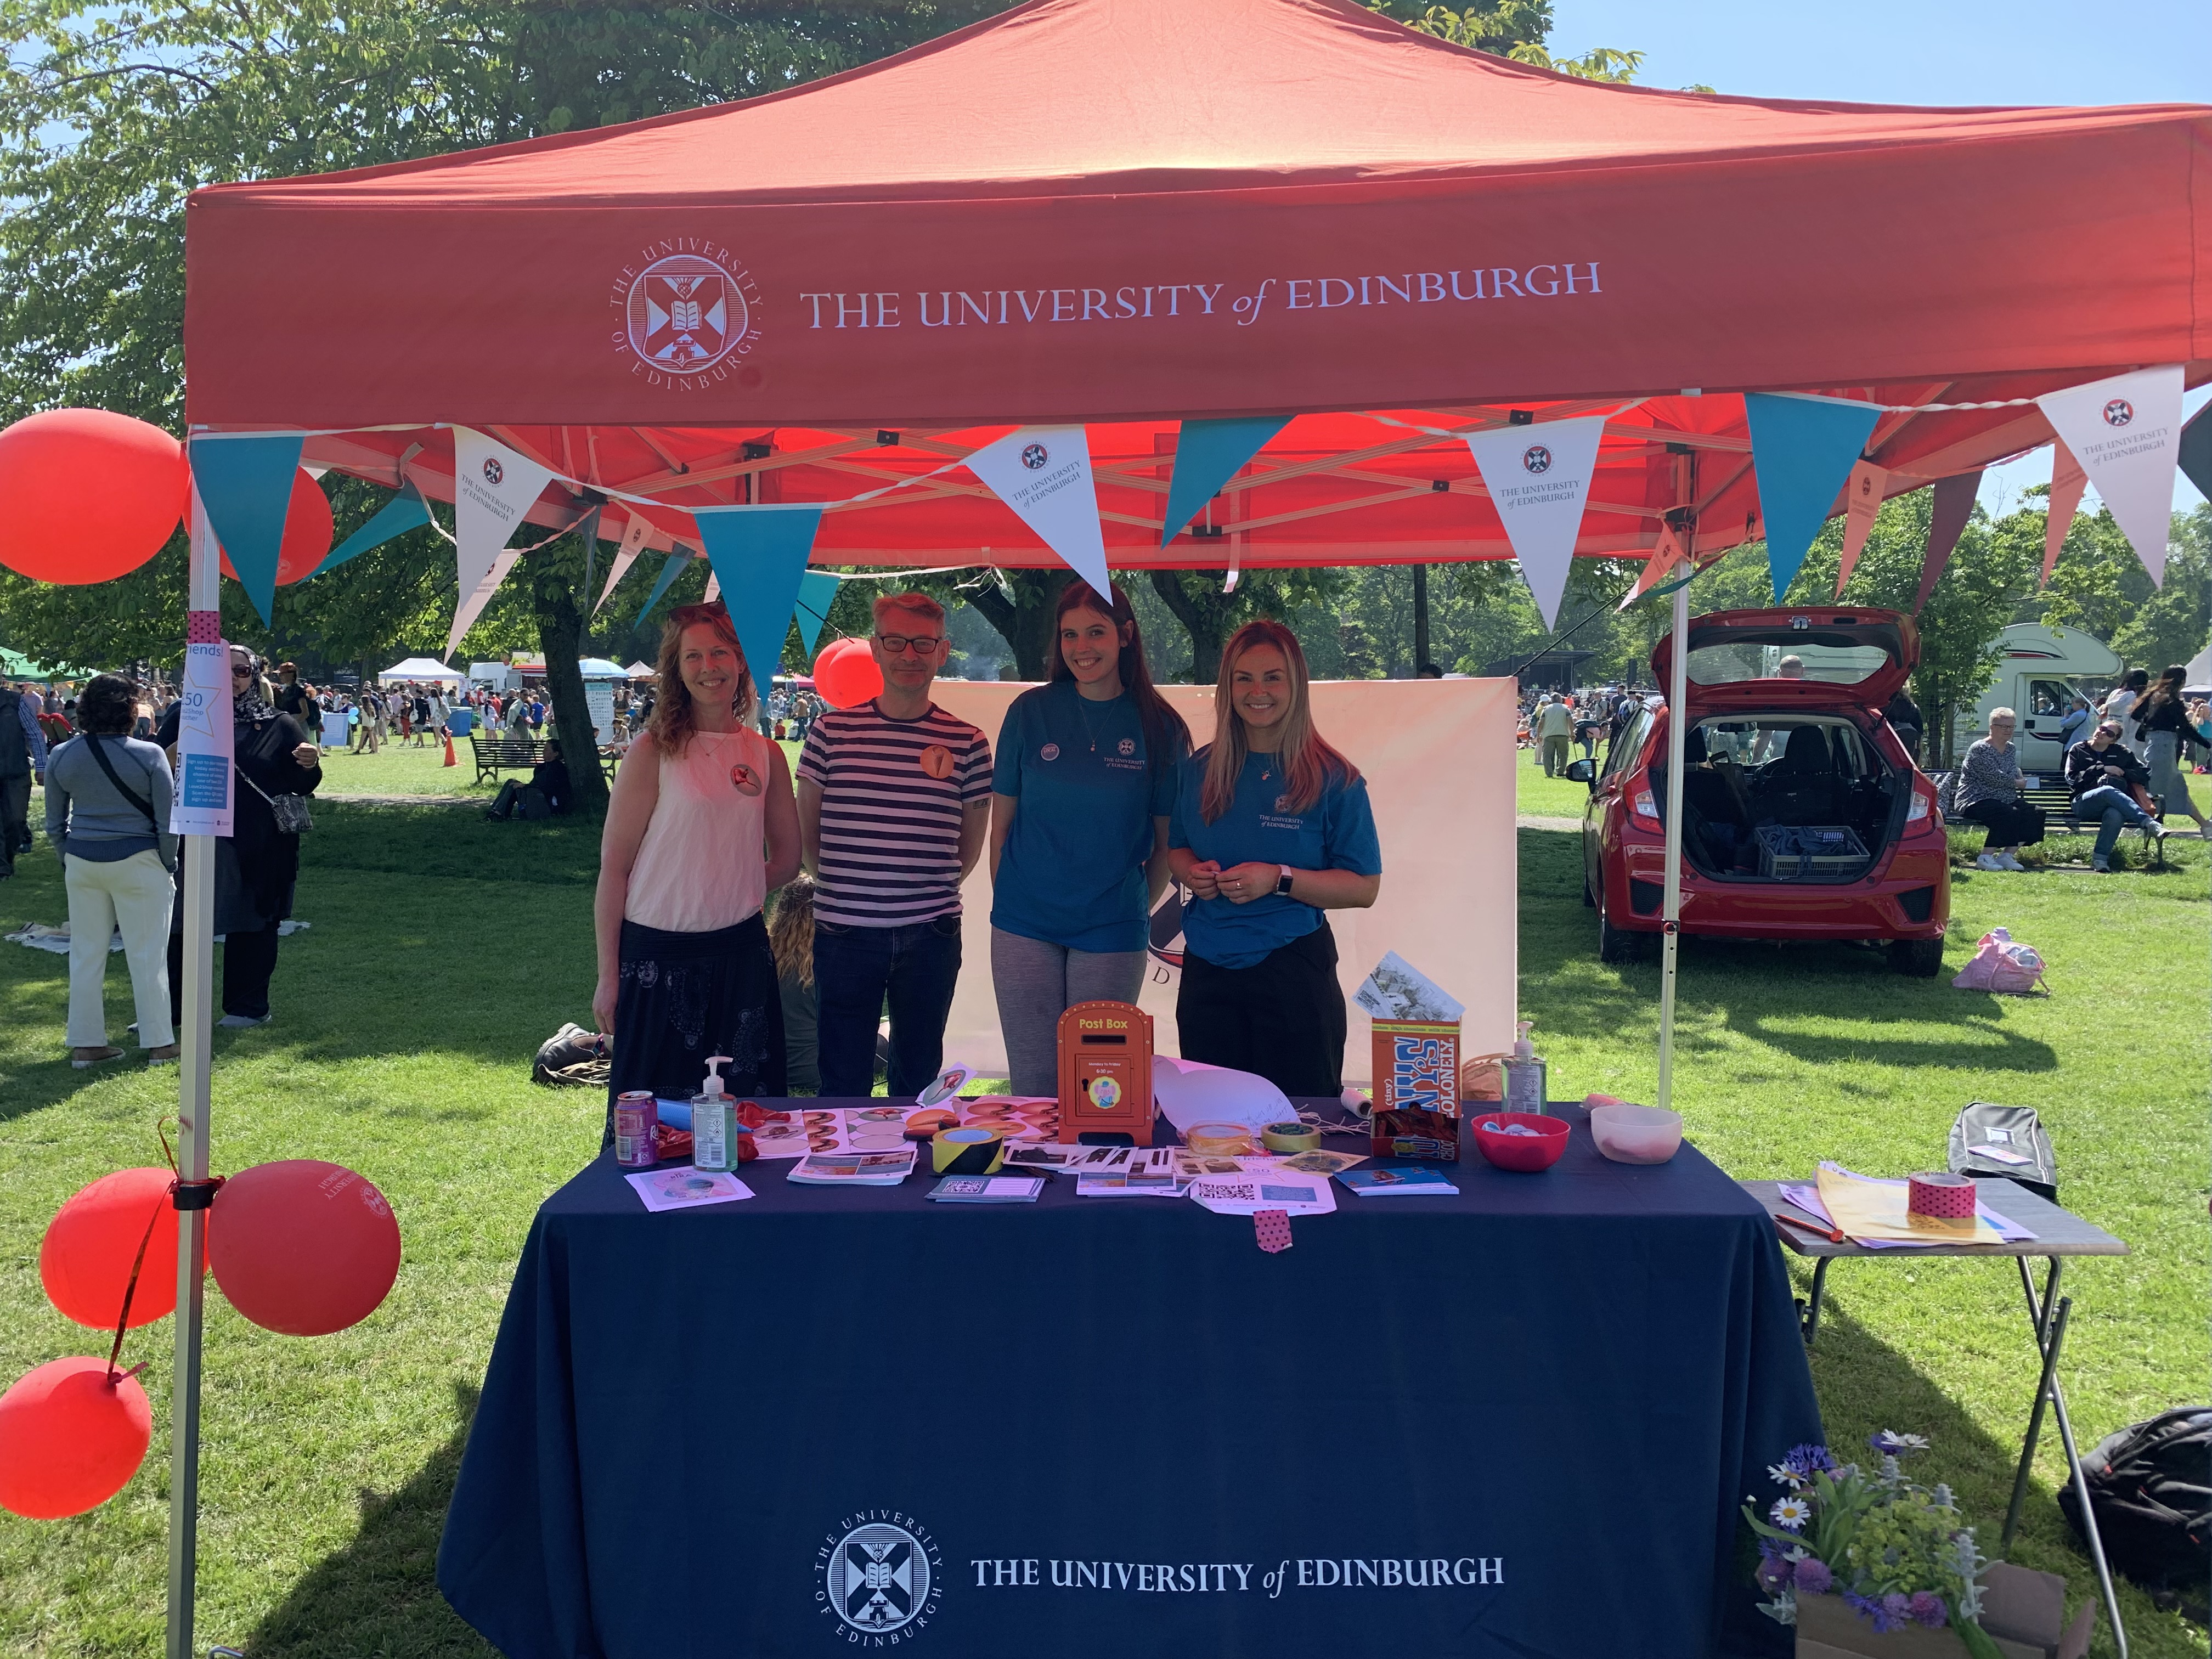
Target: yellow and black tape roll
x: 1289, y: 1138
x: 971, y: 1151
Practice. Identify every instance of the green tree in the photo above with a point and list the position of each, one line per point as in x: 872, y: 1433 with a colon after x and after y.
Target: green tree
x: 2099, y: 587
x: 1518, y: 29
x: 113, y: 114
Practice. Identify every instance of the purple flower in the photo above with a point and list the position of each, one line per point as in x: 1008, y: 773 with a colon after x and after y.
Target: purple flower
x: 1890, y: 1444
x: 1773, y: 1574
x: 1898, y: 1606
x: 1807, y: 1460
x: 1927, y: 1609
x: 1871, y: 1610
x: 1814, y: 1577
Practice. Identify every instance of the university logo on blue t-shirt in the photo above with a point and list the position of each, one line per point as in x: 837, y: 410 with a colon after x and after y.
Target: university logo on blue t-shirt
x: 1072, y: 872
x: 1337, y: 832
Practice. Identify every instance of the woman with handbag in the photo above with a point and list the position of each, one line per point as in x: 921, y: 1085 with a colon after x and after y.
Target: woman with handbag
x: 274, y: 768
x: 108, y: 814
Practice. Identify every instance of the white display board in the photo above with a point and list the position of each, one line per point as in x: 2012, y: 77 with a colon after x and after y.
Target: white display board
x: 599, y: 698
x: 1438, y: 759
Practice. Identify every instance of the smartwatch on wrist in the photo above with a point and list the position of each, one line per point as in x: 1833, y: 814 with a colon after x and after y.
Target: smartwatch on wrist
x: 1284, y: 885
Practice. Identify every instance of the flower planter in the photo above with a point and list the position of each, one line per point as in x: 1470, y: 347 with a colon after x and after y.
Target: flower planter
x: 2021, y: 1611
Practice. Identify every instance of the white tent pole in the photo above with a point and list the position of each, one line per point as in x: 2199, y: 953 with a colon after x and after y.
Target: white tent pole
x: 1677, y: 737
x: 194, y: 1037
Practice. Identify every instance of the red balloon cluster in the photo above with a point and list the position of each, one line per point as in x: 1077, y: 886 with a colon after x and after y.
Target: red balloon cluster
x: 308, y: 528
x: 304, y: 1248
x: 91, y: 495
x: 846, y: 674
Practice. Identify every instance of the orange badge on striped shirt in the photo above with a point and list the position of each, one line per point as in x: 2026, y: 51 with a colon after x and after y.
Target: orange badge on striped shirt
x: 937, y: 760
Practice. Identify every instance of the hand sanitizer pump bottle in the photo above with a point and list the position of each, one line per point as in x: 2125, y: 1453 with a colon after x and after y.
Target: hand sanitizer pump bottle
x: 714, y: 1138
x: 1524, y: 1075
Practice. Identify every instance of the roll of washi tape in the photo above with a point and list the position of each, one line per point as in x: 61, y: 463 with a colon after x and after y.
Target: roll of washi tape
x: 967, y: 1151
x: 1289, y: 1138
x: 1945, y: 1201
x: 1219, y: 1139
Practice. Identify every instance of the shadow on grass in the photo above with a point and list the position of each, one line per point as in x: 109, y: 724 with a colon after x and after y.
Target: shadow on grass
x: 379, y: 1594
x: 1865, y: 1385
x: 1767, y: 993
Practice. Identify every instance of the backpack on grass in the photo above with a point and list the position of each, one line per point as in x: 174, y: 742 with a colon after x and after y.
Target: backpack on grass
x: 2150, y: 1487
x: 1988, y: 1139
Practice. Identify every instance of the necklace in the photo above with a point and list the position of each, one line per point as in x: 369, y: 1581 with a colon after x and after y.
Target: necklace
x: 1083, y: 707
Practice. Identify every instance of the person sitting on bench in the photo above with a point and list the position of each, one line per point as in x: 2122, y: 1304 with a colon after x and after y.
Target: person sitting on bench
x: 546, y: 794
x: 2109, y: 782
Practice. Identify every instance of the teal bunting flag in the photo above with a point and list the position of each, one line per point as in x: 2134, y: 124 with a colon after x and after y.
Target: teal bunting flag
x: 244, y: 484
x: 817, y: 591
x: 1208, y: 454
x: 671, y: 568
x: 759, y: 555
x: 404, y: 512
x: 1803, y: 449
x: 2195, y: 454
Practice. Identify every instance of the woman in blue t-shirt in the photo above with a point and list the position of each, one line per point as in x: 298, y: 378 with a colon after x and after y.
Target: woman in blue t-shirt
x: 1080, y: 801
x: 1271, y: 827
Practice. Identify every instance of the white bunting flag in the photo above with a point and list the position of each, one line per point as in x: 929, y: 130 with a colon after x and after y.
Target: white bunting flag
x: 2067, y: 481
x: 1539, y: 479
x: 1043, y: 473
x: 635, y: 532
x: 1863, y: 498
x: 2126, y: 432
x: 493, y: 489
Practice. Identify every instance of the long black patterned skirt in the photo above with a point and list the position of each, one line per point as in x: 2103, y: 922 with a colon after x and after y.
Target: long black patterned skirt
x: 684, y: 996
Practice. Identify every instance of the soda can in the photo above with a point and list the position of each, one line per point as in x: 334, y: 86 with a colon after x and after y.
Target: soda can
x: 637, y: 1115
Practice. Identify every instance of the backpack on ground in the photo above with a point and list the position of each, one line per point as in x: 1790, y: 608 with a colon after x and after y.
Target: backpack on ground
x: 1988, y: 1139
x: 572, y: 1058
x: 2150, y: 1488
x: 2003, y: 963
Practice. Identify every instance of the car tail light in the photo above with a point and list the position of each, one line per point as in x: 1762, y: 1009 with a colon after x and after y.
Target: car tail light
x: 1643, y: 811
x: 1922, y: 807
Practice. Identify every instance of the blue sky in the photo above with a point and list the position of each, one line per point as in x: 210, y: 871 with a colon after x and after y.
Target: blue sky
x: 1940, y: 51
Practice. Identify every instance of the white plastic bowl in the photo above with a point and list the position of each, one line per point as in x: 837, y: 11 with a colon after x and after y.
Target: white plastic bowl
x: 1635, y: 1134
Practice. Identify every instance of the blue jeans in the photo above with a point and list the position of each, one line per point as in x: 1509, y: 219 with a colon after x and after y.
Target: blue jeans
x: 855, y: 971
x: 2119, y: 809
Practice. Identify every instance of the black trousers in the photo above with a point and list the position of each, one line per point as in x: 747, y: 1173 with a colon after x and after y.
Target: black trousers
x: 1282, y: 1018
x: 15, y: 820
x: 249, y: 961
x: 2010, y: 822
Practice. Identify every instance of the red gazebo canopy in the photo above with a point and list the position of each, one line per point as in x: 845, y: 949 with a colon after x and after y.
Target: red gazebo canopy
x: 1125, y: 213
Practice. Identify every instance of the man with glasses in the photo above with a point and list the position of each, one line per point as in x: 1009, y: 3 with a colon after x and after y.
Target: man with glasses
x: 894, y: 806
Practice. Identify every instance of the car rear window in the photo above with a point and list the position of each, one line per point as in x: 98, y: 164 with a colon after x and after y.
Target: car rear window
x: 1739, y: 660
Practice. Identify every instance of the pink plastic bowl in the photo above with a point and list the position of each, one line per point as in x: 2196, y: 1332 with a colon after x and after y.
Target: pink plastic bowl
x: 1525, y: 1153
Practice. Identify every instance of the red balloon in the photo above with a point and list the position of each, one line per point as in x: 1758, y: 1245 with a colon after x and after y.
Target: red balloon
x: 305, y: 1248
x: 70, y: 1438
x: 308, y: 528
x: 91, y: 495
x: 846, y: 674
x: 85, y: 1260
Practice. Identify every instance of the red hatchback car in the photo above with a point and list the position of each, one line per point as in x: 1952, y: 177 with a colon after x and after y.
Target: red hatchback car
x: 1804, y: 816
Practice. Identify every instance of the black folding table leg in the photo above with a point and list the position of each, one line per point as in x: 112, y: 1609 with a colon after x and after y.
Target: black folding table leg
x: 1810, y: 1323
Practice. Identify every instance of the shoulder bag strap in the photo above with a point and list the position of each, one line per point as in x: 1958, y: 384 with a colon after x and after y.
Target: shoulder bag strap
x: 92, y: 740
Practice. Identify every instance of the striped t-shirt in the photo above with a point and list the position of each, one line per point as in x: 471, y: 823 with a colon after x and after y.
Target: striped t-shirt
x: 893, y: 795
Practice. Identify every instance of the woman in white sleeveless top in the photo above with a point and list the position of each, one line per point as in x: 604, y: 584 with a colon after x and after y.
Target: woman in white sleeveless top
x: 701, y: 829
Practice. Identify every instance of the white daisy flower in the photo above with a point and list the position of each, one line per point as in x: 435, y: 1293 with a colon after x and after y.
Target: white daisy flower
x: 1790, y: 1513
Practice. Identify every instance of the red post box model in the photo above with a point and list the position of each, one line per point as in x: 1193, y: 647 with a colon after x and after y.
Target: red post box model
x: 1106, y: 1071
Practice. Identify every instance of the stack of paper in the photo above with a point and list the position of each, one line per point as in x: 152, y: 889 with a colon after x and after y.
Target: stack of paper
x: 1245, y: 1195
x: 988, y: 1189
x: 1872, y: 1211
x: 682, y: 1188
x: 854, y: 1169
x: 1397, y: 1183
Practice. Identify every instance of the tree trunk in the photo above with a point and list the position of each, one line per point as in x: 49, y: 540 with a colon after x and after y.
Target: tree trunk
x: 1420, y: 618
x: 555, y: 572
x: 1025, y: 624
x: 1204, y: 614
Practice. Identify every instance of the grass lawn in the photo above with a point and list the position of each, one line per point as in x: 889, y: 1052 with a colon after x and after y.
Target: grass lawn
x: 444, y: 949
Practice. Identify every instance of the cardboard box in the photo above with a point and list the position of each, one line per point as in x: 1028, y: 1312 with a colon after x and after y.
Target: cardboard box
x: 2022, y: 1612
x: 1417, y: 1090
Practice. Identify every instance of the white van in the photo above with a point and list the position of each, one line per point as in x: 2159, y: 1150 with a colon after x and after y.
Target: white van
x: 2043, y: 668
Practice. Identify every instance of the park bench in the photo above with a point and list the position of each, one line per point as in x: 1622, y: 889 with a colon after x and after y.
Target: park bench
x: 493, y: 753
x: 2051, y: 796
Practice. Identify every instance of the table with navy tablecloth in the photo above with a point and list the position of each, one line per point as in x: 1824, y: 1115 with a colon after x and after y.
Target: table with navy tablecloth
x: 1516, y: 1422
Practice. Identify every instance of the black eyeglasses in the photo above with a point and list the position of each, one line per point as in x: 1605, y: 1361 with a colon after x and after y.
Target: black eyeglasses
x: 923, y: 645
